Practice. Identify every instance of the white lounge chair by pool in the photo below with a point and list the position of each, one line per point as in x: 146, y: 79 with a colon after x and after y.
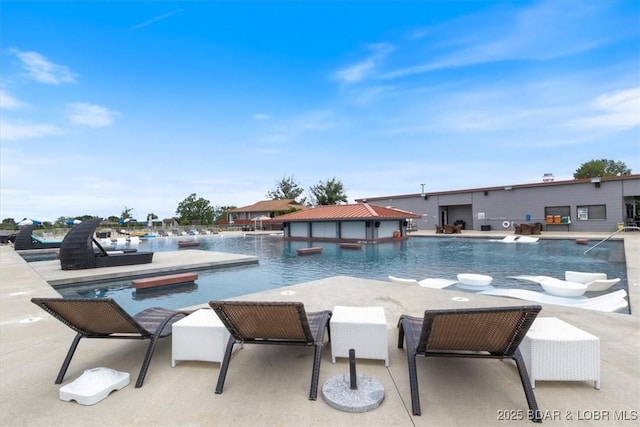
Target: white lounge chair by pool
x: 474, y: 280
x: 403, y: 281
x: 433, y: 283
x: 601, y: 285
x: 562, y: 288
x: 583, y: 277
x: 517, y: 239
x: 612, y: 302
x: 598, y: 285
x: 596, y: 282
x: 527, y: 239
x: 530, y: 278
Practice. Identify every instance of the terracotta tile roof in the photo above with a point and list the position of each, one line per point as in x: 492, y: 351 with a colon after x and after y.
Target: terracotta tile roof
x: 270, y: 206
x: 353, y: 211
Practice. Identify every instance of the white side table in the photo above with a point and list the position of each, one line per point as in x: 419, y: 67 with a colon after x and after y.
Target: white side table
x: 363, y: 329
x: 554, y: 350
x: 199, y: 336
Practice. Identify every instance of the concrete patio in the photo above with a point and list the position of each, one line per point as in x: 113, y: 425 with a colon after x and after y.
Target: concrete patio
x: 268, y: 385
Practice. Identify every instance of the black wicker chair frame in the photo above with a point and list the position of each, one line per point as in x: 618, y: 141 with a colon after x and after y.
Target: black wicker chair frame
x: 104, y: 318
x: 25, y: 240
x: 490, y: 333
x: 277, y: 323
x: 77, y: 250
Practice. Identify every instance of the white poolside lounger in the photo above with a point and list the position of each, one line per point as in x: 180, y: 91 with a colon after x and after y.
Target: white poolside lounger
x: 517, y: 239
x: 597, y: 285
x: 403, y: 281
x: 583, y: 277
x: 436, y: 283
x: 610, y: 303
x: 527, y: 239
x: 601, y: 285
x: 425, y: 283
x: 529, y: 278
x: 596, y: 282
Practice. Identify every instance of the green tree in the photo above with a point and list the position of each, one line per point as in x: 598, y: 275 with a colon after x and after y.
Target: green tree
x: 151, y: 216
x: 8, y: 223
x: 220, y: 213
x: 602, y: 167
x: 286, y: 188
x: 194, y: 210
x: 66, y: 221
x: 62, y: 221
x: 328, y: 193
x: 126, y: 213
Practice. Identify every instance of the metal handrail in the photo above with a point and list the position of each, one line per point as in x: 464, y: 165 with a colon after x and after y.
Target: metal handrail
x: 624, y: 228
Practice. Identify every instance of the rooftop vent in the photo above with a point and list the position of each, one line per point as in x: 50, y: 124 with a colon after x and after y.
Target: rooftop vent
x: 547, y: 177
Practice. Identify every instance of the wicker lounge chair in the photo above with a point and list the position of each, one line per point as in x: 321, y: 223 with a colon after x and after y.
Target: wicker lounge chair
x: 449, y: 229
x: 25, y: 240
x: 104, y: 318
x: 493, y: 333
x: 528, y: 229
x: 280, y: 323
x: 77, y: 250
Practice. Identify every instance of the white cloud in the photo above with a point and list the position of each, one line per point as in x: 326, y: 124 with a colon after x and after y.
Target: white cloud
x: 84, y: 114
x: 358, y: 72
x: 156, y: 19
x: 355, y: 73
x: 42, y: 70
x: 617, y: 110
x: 260, y: 116
x: 542, y: 31
x: 8, y: 102
x: 12, y: 131
x: 362, y: 96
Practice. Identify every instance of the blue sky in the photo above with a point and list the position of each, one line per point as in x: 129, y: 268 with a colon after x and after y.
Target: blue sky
x: 106, y: 105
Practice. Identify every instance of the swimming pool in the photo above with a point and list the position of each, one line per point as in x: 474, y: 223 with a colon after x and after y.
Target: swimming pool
x: 418, y: 258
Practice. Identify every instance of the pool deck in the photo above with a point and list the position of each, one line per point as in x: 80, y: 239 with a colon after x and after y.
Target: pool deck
x: 268, y: 385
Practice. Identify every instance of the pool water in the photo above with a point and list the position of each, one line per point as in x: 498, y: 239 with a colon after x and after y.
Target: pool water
x: 416, y: 258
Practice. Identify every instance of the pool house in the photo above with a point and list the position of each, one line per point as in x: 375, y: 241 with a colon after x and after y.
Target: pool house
x: 360, y: 222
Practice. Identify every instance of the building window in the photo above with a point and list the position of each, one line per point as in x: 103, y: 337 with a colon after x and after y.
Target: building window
x: 590, y: 212
x: 557, y: 210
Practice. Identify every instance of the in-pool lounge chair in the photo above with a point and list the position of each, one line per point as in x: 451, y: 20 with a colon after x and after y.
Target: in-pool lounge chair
x: 596, y: 282
x: 278, y: 323
x: 611, y: 302
x: 25, y: 240
x: 79, y: 250
x: 490, y: 333
x: 429, y: 282
x: 104, y: 318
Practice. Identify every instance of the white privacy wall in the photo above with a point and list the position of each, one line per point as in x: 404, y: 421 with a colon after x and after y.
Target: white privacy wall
x: 353, y: 230
x: 387, y: 228
x: 298, y: 229
x: 324, y: 229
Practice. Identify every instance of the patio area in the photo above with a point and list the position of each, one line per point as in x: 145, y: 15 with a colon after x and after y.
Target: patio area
x: 268, y: 385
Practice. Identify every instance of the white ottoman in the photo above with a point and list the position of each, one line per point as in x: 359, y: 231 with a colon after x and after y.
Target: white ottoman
x: 363, y: 329
x: 199, y: 336
x: 554, y: 350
